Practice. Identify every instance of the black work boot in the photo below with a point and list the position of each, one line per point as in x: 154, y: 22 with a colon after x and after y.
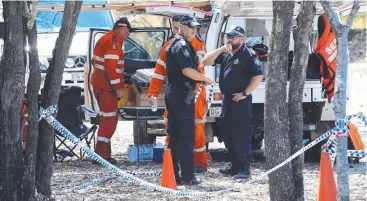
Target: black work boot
x: 194, y: 181
x: 244, y: 173
x: 229, y: 171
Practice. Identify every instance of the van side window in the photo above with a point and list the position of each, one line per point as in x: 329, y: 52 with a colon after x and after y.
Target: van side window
x: 144, y: 45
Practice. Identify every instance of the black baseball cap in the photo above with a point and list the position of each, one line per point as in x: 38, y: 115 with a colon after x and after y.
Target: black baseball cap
x: 122, y: 22
x: 235, y: 31
x: 189, y: 21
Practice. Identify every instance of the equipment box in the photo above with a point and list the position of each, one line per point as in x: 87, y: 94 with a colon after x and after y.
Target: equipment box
x: 145, y: 152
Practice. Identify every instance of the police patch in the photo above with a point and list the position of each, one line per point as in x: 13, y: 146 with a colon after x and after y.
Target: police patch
x: 236, y: 61
x: 186, y: 53
x: 183, y: 43
x: 114, y: 46
x: 252, y: 51
x: 257, y: 61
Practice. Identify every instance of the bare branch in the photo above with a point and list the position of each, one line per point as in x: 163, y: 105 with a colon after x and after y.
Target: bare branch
x: 331, y: 14
x: 352, y: 13
x: 30, y: 22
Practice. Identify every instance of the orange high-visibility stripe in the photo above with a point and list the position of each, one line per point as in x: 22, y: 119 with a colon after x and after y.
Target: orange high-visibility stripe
x: 159, y: 72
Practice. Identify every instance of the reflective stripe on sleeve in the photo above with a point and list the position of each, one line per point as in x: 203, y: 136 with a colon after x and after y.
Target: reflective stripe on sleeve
x: 161, y: 77
x: 160, y: 62
x: 111, y: 56
x: 108, y: 114
x: 119, y: 70
x: 103, y: 139
x: 201, y: 149
x: 97, y: 58
x: 115, y: 81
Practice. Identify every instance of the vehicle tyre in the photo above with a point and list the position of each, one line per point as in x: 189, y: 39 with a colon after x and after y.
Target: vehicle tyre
x: 142, y: 137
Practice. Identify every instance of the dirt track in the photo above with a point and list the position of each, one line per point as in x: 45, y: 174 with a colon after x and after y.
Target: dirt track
x: 71, y: 173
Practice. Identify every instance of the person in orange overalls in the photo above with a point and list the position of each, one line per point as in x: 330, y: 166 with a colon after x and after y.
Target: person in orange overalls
x: 200, y: 154
x: 108, y: 83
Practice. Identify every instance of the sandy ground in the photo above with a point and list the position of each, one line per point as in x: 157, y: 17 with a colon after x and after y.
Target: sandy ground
x: 71, y: 173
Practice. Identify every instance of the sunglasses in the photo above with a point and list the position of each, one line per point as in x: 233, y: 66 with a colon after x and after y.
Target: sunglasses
x: 233, y: 37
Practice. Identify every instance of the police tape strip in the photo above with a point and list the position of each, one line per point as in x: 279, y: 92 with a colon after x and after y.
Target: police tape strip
x: 157, y: 174
x: 324, y: 136
x: 94, y: 182
x: 46, y: 114
x: 357, y: 153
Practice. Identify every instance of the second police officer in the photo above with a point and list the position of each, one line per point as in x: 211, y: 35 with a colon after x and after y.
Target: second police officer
x: 240, y: 75
x: 182, y: 75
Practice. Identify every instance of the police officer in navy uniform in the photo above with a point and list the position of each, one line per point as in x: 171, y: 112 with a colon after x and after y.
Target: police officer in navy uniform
x: 182, y: 74
x: 240, y: 75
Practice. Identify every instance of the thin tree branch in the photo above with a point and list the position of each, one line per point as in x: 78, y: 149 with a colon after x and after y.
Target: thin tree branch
x: 352, y: 13
x: 331, y: 14
x: 32, y: 16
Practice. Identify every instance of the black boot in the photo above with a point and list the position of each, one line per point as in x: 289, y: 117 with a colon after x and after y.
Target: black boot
x: 244, y: 173
x: 233, y: 170
x: 194, y: 181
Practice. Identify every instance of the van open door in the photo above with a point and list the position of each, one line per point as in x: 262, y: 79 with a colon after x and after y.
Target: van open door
x: 141, y: 51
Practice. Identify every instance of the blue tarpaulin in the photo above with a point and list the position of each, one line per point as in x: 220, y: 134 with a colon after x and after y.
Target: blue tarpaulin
x: 50, y: 21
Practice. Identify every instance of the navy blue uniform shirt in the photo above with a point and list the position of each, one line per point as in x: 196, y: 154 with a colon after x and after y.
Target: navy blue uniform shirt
x: 235, y: 75
x: 236, y: 71
x: 180, y: 55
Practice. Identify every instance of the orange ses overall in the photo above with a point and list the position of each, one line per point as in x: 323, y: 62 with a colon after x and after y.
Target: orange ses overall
x: 107, y: 77
x: 326, y: 51
x: 200, y: 155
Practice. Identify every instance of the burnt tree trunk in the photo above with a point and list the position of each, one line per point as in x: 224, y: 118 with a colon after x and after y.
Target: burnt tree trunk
x: 51, y: 93
x: 33, y: 87
x: 12, y: 75
x: 341, y: 32
x: 276, y: 122
x: 298, y: 76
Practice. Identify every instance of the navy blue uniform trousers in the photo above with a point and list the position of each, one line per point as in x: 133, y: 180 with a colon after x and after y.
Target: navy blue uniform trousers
x: 181, y: 131
x: 236, y: 128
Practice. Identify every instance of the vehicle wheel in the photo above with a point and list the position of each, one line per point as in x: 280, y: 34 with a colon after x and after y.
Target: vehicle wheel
x: 142, y: 137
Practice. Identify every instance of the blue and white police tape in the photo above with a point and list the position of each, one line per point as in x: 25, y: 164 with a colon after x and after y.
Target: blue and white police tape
x: 94, y: 182
x: 68, y: 135
x: 324, y: 136
x: 157, y: 174
x: 357, y: 153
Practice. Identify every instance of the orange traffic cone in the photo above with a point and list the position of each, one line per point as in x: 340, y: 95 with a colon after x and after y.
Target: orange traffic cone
x: 168, y: 174
x: 327, y: 186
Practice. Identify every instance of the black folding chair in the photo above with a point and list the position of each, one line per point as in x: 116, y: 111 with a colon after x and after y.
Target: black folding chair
x: 70, y: 116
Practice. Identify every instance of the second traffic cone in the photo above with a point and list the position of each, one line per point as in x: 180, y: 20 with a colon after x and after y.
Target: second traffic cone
x: 168, y: 174
x: 327, y: 185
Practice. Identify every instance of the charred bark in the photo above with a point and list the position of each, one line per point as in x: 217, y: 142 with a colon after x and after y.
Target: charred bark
x: 276, y: 112
x: 340, y: 97
x: 296, y: 85
x: 51, y: 93
x: 12, y: 75
x: 33, y: 87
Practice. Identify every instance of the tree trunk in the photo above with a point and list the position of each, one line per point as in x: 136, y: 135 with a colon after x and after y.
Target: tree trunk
x: 340, y: 95
x: 298, y: 76
x: 340, y: 113
x: 12, y: 75
x: 51, y: 93
x: 33, y: 87
x: 275, y: 112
